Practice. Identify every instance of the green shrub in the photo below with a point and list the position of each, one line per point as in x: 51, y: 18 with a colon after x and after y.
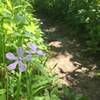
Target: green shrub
x: 57, y: 8
x: 81, y: 14
x: 18, y: 26
x: 24, y: 75
x: 87, y: 13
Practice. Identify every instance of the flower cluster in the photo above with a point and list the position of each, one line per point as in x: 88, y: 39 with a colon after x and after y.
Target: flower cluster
x: 34, y: 49
x: 19, y: 59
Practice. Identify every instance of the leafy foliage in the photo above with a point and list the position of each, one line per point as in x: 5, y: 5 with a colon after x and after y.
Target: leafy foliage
x: 71, y: 95
x: 18, y: 27
x: 81, y: 14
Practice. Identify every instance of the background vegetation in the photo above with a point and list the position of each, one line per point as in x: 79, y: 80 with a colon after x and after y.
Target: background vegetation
x: 28, y: 78
x: 18, y: 27
x: 83, y: 15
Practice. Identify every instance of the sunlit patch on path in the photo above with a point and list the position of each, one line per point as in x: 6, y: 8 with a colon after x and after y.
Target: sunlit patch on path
x: 67, y: 61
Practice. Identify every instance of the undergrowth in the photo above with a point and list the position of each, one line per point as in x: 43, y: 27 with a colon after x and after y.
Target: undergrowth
x: 23, y: 70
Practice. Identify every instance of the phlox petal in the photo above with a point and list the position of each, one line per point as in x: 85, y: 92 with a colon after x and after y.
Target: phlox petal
x: 29, y: 52
x: 10, y: 56
x: 27, y: 58
x: 20, y: 51
x: 40, y: 53
x: 33, y: 47
x: 12, y: 66
x: 22, y: 67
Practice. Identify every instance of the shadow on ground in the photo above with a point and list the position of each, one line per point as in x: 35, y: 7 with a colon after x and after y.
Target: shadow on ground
x: 73, y: 66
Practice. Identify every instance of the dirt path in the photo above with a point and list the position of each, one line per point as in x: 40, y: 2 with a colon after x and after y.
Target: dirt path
x: 73, y: 68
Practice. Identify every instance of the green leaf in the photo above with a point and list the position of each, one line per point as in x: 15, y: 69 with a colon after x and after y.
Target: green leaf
x: 2, y: 91
x: 2, y: 94
x: 82, y: 98
x: 3, y: 97
x: 9, y: 4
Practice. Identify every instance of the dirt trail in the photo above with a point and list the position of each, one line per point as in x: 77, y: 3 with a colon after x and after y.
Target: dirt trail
x: 73, y: 68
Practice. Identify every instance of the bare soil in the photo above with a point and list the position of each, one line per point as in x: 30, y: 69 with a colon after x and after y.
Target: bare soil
x: 67, y: 60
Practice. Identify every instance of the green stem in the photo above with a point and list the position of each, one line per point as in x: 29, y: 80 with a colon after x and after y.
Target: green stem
x: 18, y: 87
x: 28, y: 87
x: 7, y: 84
x: 3, y: 57
x: 28, y: 75
x: 3, y: 49
x: 3, y: 60
x: 3, y: 52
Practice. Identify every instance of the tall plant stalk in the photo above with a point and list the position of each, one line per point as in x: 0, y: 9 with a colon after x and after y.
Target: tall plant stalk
x: 18, y: 86
x: 28, y: 75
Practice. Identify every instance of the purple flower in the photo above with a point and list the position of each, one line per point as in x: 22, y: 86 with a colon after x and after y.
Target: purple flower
x: 18, y: 60
x: 34, y: 49
x: 40, y: 53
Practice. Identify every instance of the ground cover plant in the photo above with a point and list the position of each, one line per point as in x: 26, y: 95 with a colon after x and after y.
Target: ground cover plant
x: 78, y: 22
x: 22, y: 54
x: 23, y: 71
